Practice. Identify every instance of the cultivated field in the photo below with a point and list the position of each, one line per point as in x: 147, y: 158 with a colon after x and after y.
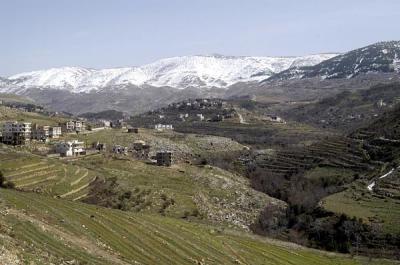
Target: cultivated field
x: 61, y: 231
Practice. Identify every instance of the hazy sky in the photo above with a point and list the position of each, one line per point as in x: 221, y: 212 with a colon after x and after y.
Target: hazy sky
x: 36, y: 34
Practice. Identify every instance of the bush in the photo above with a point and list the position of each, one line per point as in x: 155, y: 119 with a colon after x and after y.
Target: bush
x: 9, y: 185
x: 2, y: 179
x: 6, y: 184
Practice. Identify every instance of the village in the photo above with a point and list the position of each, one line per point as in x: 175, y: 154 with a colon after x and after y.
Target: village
x: 16, y: 133
x: 67, y: 139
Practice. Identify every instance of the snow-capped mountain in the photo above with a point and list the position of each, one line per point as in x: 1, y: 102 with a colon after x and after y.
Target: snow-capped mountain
x: 381, y: 57
x: 177, y: 72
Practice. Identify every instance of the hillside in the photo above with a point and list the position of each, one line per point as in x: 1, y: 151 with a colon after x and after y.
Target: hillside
x: 106, y: 115
x: 382, y: 57
x: 351, y: 184
x: 349, y: 109
x: 195, y: 213
x: 59, y: 231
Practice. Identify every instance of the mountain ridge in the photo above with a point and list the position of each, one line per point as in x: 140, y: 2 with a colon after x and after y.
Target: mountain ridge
x: 381, y: 57
x: 205, y: 71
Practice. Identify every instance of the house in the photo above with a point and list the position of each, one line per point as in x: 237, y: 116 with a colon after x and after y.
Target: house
x: 161, y: 127
x: 99, y: 146
x: 70, y: 148
x: 118, y: 124
x: 16, y: 133
x: 96, y: 125
x: 274, y: 118
x: 40, y: 133
x: 133, y: 130
x: 105, y: 123
x: 73, y: 126
x: 217, y: 118
x: 118, y: 149
x: 141, y: 149
x: 164, y: 158
x: 380, y: 103
x: 55, y: 132
x: 200, y: 116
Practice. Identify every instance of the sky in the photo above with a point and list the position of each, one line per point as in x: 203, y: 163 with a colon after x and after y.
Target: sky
x: 42, y: 34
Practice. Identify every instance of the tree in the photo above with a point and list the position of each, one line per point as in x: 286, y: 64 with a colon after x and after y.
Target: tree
x: 2, y: 179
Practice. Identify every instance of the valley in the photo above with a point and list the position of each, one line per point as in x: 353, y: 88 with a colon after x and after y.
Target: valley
x: 204, y: 160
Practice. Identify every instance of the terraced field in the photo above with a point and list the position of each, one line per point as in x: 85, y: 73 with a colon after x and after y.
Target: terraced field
x: 184, y: 190
x: 258, y: 134
x: 219, y: 195
x: 331, y: 158
x: 57, y: 231
x: 381, y: 206
x: 183, y: 145
x: 50, y: 176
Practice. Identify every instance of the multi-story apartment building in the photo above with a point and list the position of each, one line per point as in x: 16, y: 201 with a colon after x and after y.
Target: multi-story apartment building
x: 73, y: 126
x: 70, y: 148
x: 164, y: 158
x: 16, y: 133
x: 55, y: 132
x: 40, y: 133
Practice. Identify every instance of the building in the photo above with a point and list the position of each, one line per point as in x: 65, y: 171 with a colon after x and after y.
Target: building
x: 141, y: 149
x: 105, y: 123
x: 99, y: 146
x: 70, y: 148
x: 217, y: 118
x: 161, y: 127
x: 98, y: 125
x: 16, y: 133
x: 73, y: 126
x: 40, y: 133
x: 133, y: 130
x: 119, y: 149
x: 55, y: 132
x: 43, y: 133
x: 118, y: 124
x: 275, y: 118
x: 164, y: 158
x: 200, y: 117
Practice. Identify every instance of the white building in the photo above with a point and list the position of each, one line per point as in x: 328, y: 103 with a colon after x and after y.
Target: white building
x: 275, y: 118
x: 70, y: 148
x: 200, y: 116
x: 73, y: 126
x: 161, y: 127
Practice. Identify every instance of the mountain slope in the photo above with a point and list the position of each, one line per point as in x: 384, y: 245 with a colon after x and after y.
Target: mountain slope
x: 42, y: 230
x: 382, y: 57
x: 348, y: 109
x: 177, y: 72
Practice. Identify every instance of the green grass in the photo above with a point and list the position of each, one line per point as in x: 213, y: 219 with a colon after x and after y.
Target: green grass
x: 14, y: 98
x: 183, y: 144
x: 190, y: 187
x: 205, y: 193
x: 62, y: 230
x: 8, y: 114
x: 50, y: 176
x: 357, y: 201
x: 329, y: 172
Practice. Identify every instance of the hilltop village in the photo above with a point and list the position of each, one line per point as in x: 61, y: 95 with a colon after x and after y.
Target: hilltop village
x: 59, y: 140
x: 54, y: 142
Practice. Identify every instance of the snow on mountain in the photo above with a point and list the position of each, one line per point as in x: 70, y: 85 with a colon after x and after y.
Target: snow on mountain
x: 178, y: 72
x: 381, y: 57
